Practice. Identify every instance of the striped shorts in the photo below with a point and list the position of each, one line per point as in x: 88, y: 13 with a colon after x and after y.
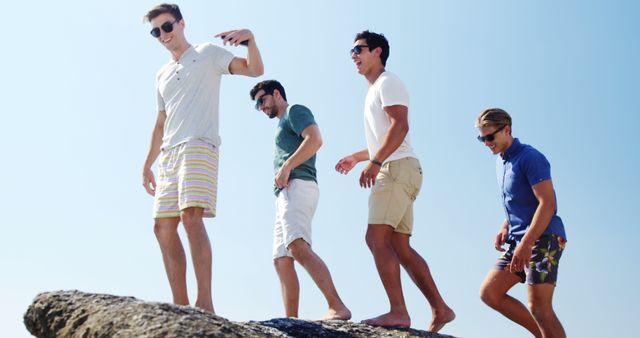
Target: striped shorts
x: 187, y: 177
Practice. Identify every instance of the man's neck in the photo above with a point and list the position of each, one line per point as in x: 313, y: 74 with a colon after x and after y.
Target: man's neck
x: 282, y: 109
x: 373, y: 75
x: 177, y: 53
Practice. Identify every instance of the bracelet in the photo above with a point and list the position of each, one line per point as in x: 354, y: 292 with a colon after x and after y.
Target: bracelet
x: 376, y: 162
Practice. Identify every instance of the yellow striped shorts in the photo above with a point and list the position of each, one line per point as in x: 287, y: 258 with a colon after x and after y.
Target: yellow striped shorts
x: 187, y: 177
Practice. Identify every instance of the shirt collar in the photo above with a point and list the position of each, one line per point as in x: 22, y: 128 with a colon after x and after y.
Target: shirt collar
x: 515, y: 148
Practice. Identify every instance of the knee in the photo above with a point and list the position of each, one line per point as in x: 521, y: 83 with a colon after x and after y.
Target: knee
x: 405, y: 253
x: 489, y: 296
x: 299, y: 249
x: 541, y: 312
x: 375, y: 242
x: 163, y: 231
x: 192, y: 218
x: 283, y: 264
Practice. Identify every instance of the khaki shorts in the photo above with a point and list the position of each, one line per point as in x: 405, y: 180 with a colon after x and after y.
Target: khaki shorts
x: 187, y: 177
x: 397, y: 186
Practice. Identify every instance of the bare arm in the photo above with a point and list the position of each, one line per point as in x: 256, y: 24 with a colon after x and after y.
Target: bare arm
x: 250, y: 66
x: 541, y: 218
x: 312, y: 141
x: 148, y: 180
x: 347, y: 163
x: 396, y: 134
x: 501, y: 237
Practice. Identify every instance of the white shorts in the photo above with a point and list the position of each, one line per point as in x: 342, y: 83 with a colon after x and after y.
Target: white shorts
x: 295, y: 207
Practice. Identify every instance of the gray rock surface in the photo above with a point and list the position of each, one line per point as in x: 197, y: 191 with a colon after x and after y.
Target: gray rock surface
x: 75, y: 314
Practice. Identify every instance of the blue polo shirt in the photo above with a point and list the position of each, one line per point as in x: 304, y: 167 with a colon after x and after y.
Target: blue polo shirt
x: 518, y: 169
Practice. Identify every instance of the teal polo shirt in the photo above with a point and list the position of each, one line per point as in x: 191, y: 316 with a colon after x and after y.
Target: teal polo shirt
x: 288, y: 138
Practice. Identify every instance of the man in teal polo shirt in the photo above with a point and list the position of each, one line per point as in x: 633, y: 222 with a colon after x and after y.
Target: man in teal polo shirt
x: 296, y: 188
x: 532, y: 230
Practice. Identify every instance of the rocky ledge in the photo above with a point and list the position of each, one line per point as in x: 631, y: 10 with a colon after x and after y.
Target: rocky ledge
x: 75, y: 314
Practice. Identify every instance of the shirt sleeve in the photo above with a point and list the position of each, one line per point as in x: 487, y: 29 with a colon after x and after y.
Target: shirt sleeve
x: 159, y: 100
x: 537, y: 167
x: 393, y: 92
x: 220, y: 57
x: 300, y: 117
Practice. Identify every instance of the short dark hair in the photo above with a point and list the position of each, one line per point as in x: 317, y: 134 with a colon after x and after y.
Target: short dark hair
x: 375, y: 40
x: 172, y: 9
x: 268, y: 86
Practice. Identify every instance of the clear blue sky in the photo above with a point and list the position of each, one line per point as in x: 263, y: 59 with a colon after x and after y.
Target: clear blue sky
x: 78, y: 109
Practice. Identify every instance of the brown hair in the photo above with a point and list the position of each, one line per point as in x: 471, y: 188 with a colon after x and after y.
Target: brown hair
x: 493, y: 117
x: 172, y: 9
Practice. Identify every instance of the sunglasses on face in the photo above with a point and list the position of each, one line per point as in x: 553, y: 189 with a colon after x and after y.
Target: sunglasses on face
x: 490, y: 137
x: 260, y: 101
x: 167, y: 27
x: 357, y: 49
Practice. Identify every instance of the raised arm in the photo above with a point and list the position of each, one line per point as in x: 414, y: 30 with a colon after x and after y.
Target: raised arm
x: 252, y: 64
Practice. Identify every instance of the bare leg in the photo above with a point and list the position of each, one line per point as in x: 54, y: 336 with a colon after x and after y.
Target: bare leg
x: 494, y: 293
x: 289, y: 285
x: 540, y: 303
x: 320, y: 274
x: 175, y: 264
x: 379, y: 242
x: 200, y: 254
x: 419, y: 272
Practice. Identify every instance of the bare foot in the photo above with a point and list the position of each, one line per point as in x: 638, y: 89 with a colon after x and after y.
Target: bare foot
x: 208, y: 306
x: 389, y: 320
x: 440, y: 318
x: 341, y: 314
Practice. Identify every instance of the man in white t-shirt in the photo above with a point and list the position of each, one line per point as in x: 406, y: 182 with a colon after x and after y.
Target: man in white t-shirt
x: 186, y: 139
x: 394, y: 175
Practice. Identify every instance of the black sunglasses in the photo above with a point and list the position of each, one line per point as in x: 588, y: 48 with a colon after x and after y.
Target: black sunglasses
x: 167, y: 27
x: 260, y: 100
x: 357, y: 49
x: 492, y: 136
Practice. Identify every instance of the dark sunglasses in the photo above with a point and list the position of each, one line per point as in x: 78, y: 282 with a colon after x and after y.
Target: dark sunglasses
x: 260, y: 100
x: 167, y: 27
x: 492, y: 136
x: 357, y: 49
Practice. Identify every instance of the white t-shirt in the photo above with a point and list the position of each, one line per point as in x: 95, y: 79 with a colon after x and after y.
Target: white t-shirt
x: 387, y: 90
x: 188, y: 90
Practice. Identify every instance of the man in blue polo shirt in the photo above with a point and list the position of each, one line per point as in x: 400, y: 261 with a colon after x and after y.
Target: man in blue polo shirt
x: 532, y: 231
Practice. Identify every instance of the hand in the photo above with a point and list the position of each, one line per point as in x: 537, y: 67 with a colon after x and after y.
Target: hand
x: 521, y: 257
x: 501, y: 238
x: 235, y: 37
x: 282, y: 177
x: 149, y: 181
x: 346, y: 164
x: 368, y: 175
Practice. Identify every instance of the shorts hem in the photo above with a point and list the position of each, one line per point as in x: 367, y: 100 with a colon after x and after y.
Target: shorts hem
x: 166, y: 215
x: 545, y: 282
x: 208, y: 214
x: 297, y: 237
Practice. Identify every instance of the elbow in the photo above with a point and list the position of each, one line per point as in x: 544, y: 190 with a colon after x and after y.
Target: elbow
x: 258, y: 71
x: 403, y: 128
x: 548, y: 205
